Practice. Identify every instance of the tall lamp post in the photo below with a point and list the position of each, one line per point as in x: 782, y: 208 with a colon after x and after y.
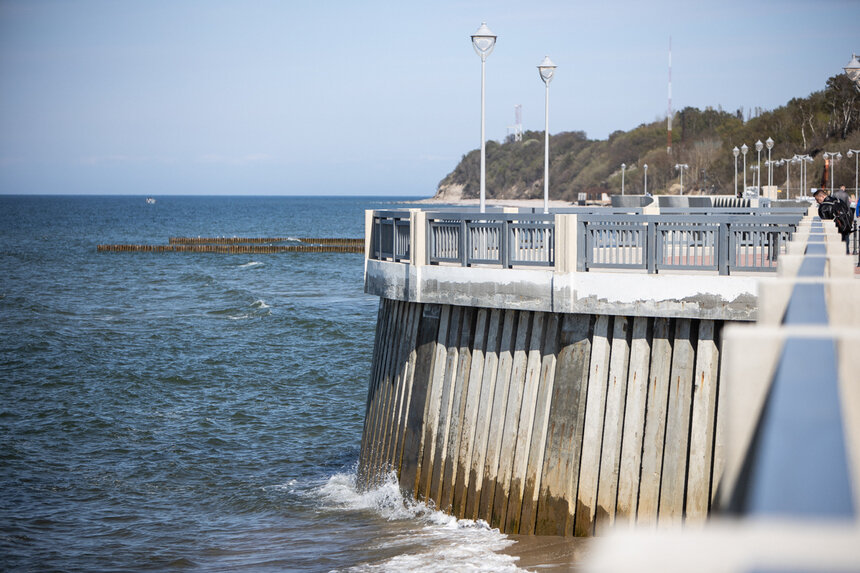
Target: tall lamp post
x: 769, y: 143
x: 833, y: 157
x: 756, y: 175
x: 856, y: 154
x: 623, y: 167
x: 787, y: 162
x: 736, y: 152
x: 483, y: 41
x: 681, y: 167
x: 758, y: 147
x: 852, y: 70
x: 645, y: 167
x: 547, y: 71
x: 803, y: 160
x: 744, y: 150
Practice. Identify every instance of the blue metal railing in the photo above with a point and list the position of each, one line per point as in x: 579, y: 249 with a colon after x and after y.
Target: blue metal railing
x: 724, y: 240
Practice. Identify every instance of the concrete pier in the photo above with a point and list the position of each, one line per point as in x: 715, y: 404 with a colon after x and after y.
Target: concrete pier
x: 518, y: 417
x: 550, y: 400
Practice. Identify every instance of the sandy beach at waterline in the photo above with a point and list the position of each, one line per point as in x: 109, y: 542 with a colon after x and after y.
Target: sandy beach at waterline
x: 531, y: 203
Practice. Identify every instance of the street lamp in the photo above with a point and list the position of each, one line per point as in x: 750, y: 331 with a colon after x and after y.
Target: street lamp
x: 852, y: 70
x: 623, y: 167
x: 803, y: 160
x: 856, y: 154
x: 758, y: 147
x: 787, y: 162
x: 547, y: 71
x: 744, y: 150
x: 483, y: 41
x: 755, y: 172
x: 681, y: 167
x: 736, y: 152
x: 833, y: 157
x: 769, y: 143
x: 645, y: 167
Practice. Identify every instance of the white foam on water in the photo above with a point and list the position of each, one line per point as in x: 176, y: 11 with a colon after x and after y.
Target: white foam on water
x: 446, y: 543
x: 251, y: 264
x: 259, y: 304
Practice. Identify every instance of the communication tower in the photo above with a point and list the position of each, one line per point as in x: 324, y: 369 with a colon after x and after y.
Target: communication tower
x: 518, y: 123
x: 669, y: 111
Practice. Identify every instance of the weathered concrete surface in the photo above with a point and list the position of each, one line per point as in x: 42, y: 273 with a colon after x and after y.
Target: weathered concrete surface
x: 699, y: 296
x: 536, y: 422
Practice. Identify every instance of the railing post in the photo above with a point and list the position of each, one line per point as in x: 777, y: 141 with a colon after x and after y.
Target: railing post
x: 651, y: 247
x: 724, y: 251
x: 504, y: 245
x: 567, y: 240
x: 463, y: 243
x: 418, y: 238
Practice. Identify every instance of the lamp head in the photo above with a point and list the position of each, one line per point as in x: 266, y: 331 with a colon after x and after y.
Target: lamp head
x: 547, y: 70
x: 483, y: 41
x: 744, y: 148
x: 852, y: 70
x: 769, y: 143
x: 758, y: 145
x: 736, y: 151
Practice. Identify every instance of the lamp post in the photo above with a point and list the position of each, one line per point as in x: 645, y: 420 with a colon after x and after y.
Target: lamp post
x: 852, y: 70
x: 744, y: 150
x: 833, y: 157
x: 856, y: 154
x: 645, y: 167
x: 681, y: 167
x: 803, y: 160
x: 758, y: 147
x: 547, y: 71
x: 787, y: 162
x: 756, y: 174
x: 483, y: 41
x: 769, y: 143
x: 623, y: 167
x: 736, y: 152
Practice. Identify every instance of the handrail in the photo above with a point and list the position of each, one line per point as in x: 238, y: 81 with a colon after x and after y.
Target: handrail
x: 723, y: 240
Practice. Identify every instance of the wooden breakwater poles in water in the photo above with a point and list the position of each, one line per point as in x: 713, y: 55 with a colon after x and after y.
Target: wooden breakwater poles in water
x: 544, y: 423
x: 237, y: 245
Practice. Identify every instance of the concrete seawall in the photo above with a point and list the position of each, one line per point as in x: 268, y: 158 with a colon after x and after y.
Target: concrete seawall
x: 545, y: 422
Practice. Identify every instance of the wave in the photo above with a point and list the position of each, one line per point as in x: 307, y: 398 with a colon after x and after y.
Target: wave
x: 446, y: 543
x: 259, y: 304
x: 250, y: 265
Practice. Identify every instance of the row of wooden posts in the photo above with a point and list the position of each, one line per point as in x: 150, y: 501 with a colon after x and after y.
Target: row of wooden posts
x: 545, y: 423
x: 236, y: 245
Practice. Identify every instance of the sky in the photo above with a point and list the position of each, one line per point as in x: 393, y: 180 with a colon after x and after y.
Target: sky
x: 373, y: 97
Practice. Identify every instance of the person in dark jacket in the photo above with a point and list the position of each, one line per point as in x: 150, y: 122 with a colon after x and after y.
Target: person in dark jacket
x: 828, y: 208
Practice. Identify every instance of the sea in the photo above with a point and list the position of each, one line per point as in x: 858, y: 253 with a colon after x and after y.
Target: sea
x: 196, y: 411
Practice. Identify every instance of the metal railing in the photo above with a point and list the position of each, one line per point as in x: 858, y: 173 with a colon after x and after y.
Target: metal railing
x: 389, y: 240
x: 721, y: 243
x: 724, y: 240
x: 506, y: 239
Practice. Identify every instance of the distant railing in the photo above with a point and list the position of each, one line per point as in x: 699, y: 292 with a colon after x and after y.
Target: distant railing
x: 506, y: 239
x: 725, y: 240
x: 389, y: 239
x: 721, y: 243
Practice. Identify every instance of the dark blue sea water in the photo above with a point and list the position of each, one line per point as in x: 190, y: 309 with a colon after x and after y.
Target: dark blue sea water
x: 195, y: 411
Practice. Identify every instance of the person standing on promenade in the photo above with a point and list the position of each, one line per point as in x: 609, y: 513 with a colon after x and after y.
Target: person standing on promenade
x: 832, y: 208
x: 842, y: 195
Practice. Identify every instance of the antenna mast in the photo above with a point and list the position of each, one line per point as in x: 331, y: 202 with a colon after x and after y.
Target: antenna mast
x: 518, y: 122
x: 669, y: 112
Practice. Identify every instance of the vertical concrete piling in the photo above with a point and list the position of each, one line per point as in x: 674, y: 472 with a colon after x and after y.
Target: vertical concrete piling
x: 544, y: 423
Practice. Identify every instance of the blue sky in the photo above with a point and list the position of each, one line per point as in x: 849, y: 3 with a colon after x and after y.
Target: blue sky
x: 372, y: 97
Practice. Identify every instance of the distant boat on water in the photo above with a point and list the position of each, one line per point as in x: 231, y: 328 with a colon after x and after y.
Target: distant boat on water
x: 150, y: 201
